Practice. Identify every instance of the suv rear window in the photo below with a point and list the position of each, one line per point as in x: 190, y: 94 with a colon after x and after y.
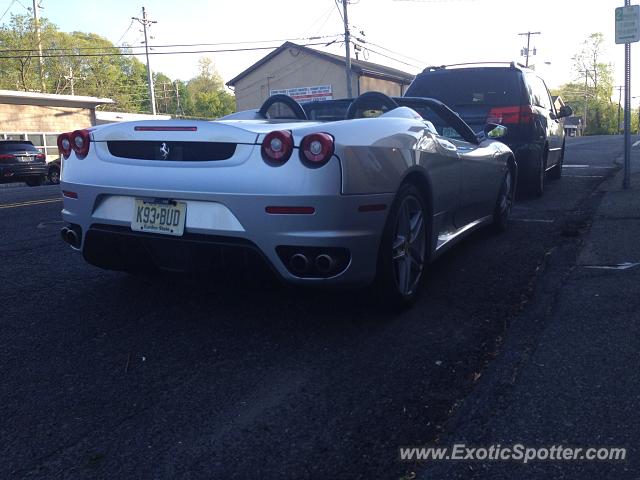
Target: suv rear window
x: 18, y: 146
x: 464, y: 87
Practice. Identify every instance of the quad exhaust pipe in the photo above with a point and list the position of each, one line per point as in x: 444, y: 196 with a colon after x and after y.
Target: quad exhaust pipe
x: 324, y: 263
x: 299, y: 263
x: 70, y: 236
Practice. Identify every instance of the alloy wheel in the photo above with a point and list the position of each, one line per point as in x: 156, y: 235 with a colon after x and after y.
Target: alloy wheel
x: 409, y: 246
x: 505, y: 202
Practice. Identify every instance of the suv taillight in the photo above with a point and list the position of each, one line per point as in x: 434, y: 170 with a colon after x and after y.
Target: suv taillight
x: 511, y: 115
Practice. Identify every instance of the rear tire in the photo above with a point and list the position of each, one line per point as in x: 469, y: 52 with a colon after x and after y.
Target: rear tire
x: 35, y: 182
x: 403, y: 249
x: 54, y: 176
x: 536, y: 185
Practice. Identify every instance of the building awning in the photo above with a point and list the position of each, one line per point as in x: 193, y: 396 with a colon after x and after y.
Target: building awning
x: 51, y: 100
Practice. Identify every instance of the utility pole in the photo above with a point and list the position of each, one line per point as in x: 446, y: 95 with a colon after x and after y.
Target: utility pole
x: 165, y: 97
x: 526, y: 50
x: 36, y: 26
x: 145, y: 24
x: 178, y: 106
x: 586, y: 95
x: 71, y: 79
x: 347, y: 46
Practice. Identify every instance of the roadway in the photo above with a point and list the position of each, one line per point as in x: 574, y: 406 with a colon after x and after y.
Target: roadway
x: 111, y: 376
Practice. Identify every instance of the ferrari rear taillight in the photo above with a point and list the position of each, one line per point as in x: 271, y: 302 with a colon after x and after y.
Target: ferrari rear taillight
x: 511, y: 115
x: 277, y: 147
x: 80, y: 142
x: 64, y: 144
x: 316, y: 149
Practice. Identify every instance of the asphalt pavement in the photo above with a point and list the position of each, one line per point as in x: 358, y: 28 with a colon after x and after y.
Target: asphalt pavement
x: 568, y: 373
x: 233, y: 375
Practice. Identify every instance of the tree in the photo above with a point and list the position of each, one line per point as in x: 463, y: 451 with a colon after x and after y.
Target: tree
x: 207, y: 95
x: 84, y: 64
x: 594, y: 78
x: 120, y: 77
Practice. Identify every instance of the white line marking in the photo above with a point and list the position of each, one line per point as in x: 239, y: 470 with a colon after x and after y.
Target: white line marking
x: 532, y: 220
x: 584, y: 176
x: 619, y: 266
x: 30, y: 203
x: 635, y: 144
x: 585, y: 166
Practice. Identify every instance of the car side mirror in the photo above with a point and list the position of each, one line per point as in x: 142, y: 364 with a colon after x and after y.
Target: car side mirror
x: 495, y: 131
x: 565, y: 111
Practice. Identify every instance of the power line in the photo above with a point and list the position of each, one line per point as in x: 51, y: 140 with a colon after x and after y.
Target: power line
x: 387, y: 56
x: 7, y: 10
x: 126, y: 31
x: 339, y: 9
x: 124, y: 54
x: 175, y: 45
x: 395, y: 53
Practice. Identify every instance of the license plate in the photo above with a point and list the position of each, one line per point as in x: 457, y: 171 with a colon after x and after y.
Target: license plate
x: 155, y: 217
x: 24, y: 158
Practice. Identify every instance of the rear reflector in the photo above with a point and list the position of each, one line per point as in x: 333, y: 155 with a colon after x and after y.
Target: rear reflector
x: 377, y: 207
x: 166, y: 129
x: 68, y: 194
x: 290, y: 210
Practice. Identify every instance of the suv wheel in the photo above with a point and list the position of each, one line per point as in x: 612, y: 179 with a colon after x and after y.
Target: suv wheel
x: 537, y: 177
x: 35, y: 182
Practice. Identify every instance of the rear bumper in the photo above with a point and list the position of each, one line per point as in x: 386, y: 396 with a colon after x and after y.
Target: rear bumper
x: 225, y: 228
x: 16, y: 171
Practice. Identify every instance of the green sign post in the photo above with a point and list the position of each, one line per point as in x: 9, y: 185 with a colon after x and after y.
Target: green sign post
x: 627, y: 32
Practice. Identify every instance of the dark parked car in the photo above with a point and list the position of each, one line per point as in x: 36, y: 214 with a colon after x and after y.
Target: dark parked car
x: 20, y: 161
x: 510, y: 95
x: 53, y: 174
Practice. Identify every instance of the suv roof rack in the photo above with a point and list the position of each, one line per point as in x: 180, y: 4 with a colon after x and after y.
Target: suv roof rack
x: 511, y: 64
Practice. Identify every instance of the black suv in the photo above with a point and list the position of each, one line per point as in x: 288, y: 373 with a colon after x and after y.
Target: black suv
x: 511, y: 95
x: 20, y: 161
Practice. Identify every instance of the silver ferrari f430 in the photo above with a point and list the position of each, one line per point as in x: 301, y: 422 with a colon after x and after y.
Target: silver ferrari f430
x: 340, y: 192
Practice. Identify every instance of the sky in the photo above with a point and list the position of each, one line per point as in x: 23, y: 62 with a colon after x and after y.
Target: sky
x: 428, y: 32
